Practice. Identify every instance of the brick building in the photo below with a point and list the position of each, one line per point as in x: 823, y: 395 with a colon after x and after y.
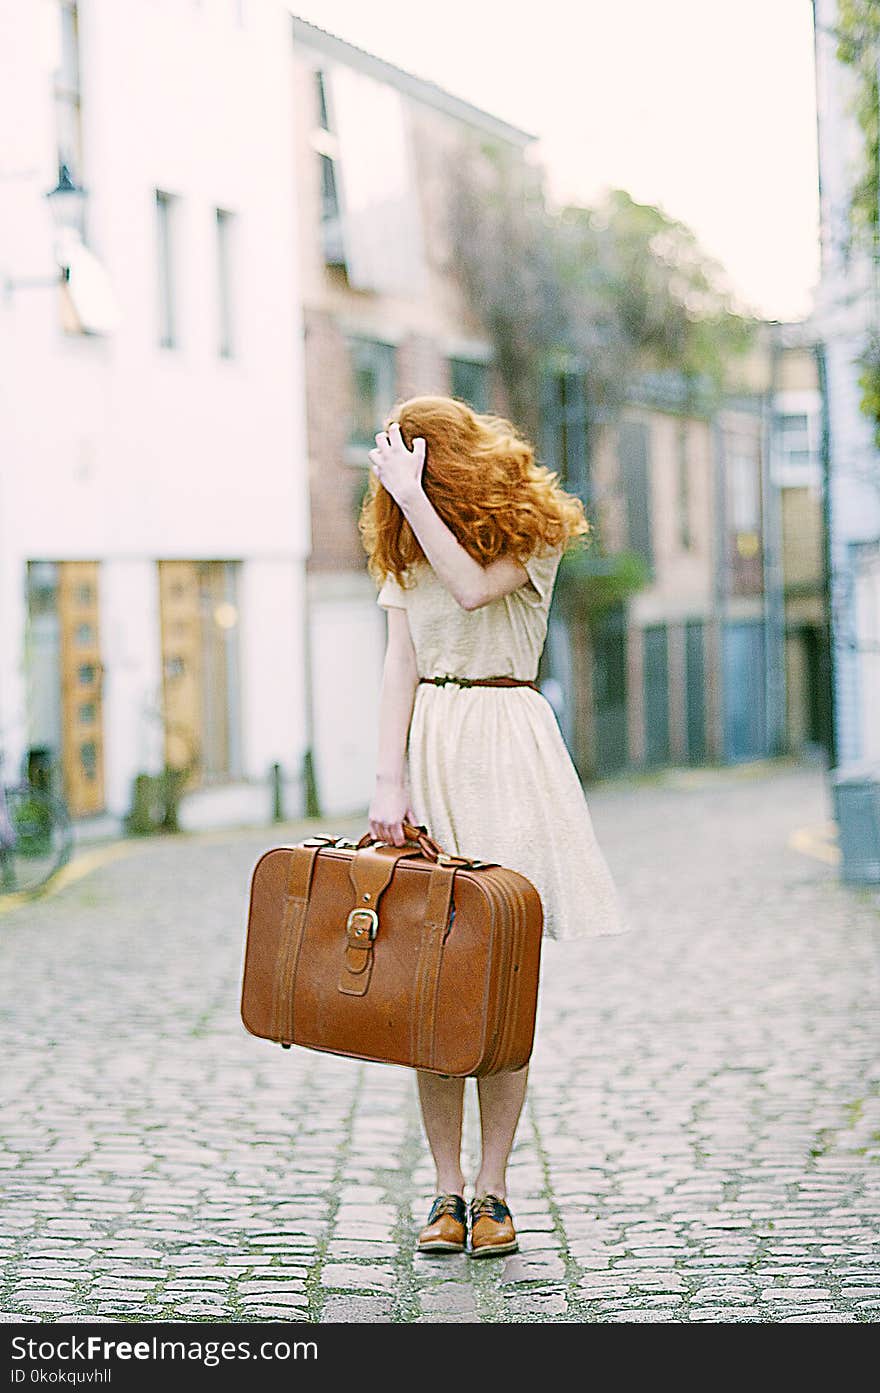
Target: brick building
x: 719, y: 656
x: 642, y: 676
x: 385, y: 318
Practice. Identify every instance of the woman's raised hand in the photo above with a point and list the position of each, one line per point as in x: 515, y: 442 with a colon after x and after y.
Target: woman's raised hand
x: 398, y: 469
x: 388, y: 811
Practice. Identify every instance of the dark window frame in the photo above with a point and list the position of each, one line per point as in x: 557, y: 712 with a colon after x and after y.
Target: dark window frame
x: 566, y: 430
x: 683, y: 488
x: 322, y: 103
x: 363, y: 347
x: 67, y: 92
x: 332, y: 240
x: 460, y: 366
x: 166, y: 205
x: 226, y: 225
x: 634, y: 461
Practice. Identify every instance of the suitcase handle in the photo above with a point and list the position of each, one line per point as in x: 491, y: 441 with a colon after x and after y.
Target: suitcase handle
x: 430, y: 849
x: 413, y: 833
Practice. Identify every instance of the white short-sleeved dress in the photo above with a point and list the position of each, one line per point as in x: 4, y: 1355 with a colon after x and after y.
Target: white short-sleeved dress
x: 490, y: 774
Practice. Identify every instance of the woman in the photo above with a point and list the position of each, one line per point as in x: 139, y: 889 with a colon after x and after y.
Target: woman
x: 466, y: 531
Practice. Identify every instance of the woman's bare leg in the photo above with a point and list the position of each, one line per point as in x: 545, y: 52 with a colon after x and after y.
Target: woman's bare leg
x: 501, y: 1102
x: 442, y: 1101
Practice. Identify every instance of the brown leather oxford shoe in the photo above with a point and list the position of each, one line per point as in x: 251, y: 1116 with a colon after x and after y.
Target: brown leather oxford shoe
x: 446, y: 1229
x: 492, y: 1230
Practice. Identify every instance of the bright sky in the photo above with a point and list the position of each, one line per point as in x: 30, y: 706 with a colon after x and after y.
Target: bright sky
x: 705, y: 107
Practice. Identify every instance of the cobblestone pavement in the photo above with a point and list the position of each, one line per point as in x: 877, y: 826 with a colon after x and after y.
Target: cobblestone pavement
x: 701, y: 1141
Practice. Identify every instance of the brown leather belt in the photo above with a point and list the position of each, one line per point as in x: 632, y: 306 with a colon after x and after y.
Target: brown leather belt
x: 480, y: 681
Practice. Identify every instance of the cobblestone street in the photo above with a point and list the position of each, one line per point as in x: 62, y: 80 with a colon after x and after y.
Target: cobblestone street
x: 701, y: 1141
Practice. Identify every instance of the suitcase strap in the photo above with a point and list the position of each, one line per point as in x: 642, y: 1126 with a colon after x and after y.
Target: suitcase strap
x: 370, y: 878
x: 299, y: 879
x: 427, y: 977
x: 370, y: 873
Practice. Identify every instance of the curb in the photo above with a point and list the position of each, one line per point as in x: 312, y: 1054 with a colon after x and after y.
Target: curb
x: 84, y: 862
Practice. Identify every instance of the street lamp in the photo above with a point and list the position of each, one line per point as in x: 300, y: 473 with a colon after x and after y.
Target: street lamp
x: 67, y: 201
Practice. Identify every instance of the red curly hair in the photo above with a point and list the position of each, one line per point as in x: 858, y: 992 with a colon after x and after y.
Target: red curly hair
x: 481, y: 476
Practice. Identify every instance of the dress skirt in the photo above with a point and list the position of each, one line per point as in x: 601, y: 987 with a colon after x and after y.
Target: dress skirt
x: 491, y: 777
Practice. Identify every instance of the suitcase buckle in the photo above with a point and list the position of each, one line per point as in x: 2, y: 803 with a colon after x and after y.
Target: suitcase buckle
x: 372, y: 920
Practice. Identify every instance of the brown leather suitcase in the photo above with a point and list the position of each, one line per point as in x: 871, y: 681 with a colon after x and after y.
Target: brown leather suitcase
x: 398, y: 954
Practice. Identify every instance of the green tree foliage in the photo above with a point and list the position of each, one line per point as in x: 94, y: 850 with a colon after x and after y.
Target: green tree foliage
x: 858, y: 46
x: 869, y: 381
x: 590, y: 583
x: 618, y: 289
x: 502, y: 248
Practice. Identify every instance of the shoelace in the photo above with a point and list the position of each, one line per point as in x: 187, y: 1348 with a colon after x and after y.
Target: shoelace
x: 445, y: 1204
x: 489, y: 1205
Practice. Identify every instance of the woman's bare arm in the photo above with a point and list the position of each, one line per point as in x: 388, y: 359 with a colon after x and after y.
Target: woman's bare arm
x: 471, y: 584
x: 391, y: 800
x: 400, y: 471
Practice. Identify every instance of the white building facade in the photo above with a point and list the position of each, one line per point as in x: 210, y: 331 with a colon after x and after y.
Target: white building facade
x: 846, y: 313
x: 153, y: 492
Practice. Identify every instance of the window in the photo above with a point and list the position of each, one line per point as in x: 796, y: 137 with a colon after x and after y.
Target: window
x: 42, y: 588
x: 79, y: 707
x: 793, y: 435
x: 321, y: 95
x: 796, y: 439
x: 373, y: 388
x: 329, y: 193
x: 88, y: 757
x: 68, y: 125
x: 684, y: 489
x: 331, y: 220
x: 742, y: 458
x: 470, y: 382
x: 370, y: 142
x: 83, y: 292
x: 744, y: 495
x: 326, y: 144
x: 165, y: 219
x: 635, y: 477
x: 565, y: 430
x: 225, y: 315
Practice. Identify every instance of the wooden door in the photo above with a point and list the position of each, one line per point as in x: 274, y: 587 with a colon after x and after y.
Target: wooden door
x: 214, y: 599
x: 656, y: 668
x: 610, y: 690
x: 745, y: 723
x: 182, y: 674
x: 695, y: 691
x: 82, y: 738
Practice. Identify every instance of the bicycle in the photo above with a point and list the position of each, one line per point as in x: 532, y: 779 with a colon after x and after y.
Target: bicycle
x: 36, y: 836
